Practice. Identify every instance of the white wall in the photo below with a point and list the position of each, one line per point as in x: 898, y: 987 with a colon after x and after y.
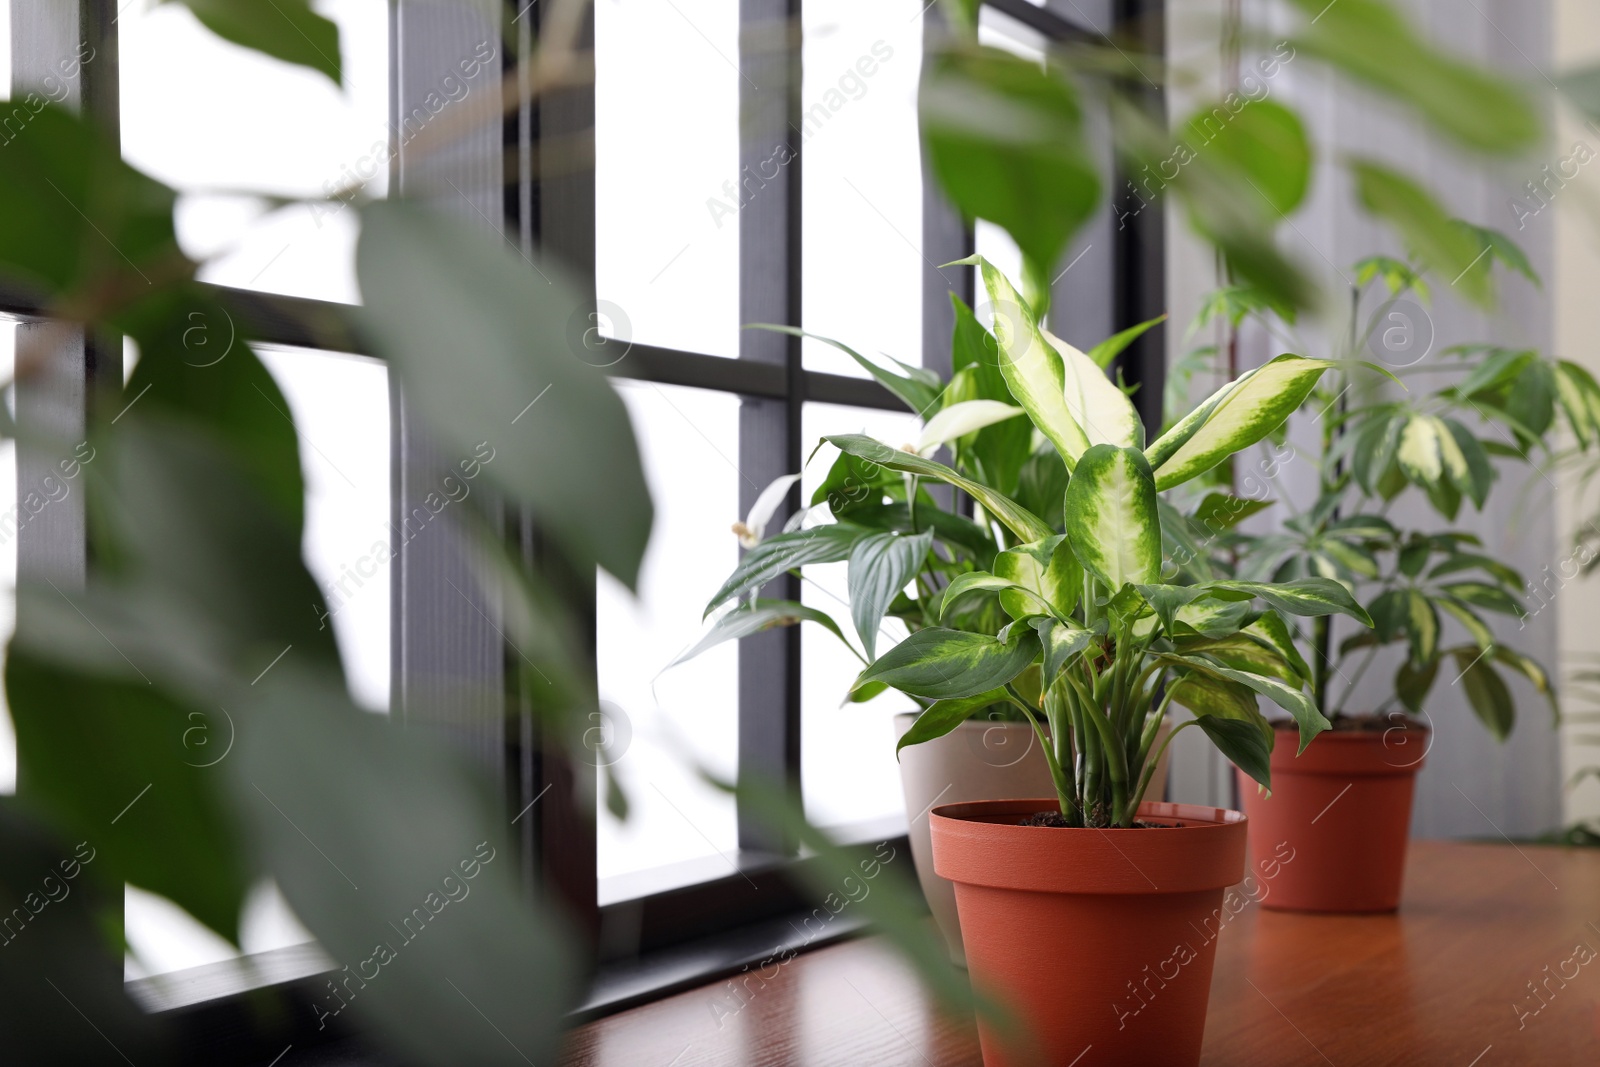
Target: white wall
x: 1515, y: 787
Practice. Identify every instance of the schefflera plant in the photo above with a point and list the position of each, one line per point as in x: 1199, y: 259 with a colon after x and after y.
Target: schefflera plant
x: 1097, y: 646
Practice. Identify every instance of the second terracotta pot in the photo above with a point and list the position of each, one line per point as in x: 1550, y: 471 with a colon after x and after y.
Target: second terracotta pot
x: 1341, y: 813
x: 1097, y: 940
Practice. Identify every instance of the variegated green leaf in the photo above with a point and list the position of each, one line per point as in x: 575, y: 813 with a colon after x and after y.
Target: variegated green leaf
x: 777, y: 555
x: 1016, y: 518
x: 1303, y: 596
x: 968, y: 589
x: 1046, y: 569
x: 1233, y: 418
x: 1104, y: 411
x: 1243, y: 743
x: 945, y: 715
x: 1486, y: 692
x: 1418, y: 454
x: 960, y: 419
x: 1289, y: 698
x: 1062, y: 641
x: 1111, y: 517
x: 1272, y: 631
x: 940, y: 664
x: 1032, y: 368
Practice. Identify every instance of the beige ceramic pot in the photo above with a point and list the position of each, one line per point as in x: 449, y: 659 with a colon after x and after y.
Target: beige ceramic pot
x: 978, y: 760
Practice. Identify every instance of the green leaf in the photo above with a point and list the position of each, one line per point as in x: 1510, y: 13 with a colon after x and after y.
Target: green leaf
x: 961, y: 419
x: 959, y: 533
x: 969, y: 589
x: 1103, y: 353
x: 945, y: 715
x: 1426, y: 228
x: 283, y: 29
x: 1048, y: 570
x: 1487, y: 596
x: 1369, y: 41
x: 1376, y: 444
x: 370, y: 826
x: 1481, y: 634
x: 1303, y: 596
x: 1112, y: 524
x: 1272, y: 631
x: 1265, y: 146
x: 1487, y: 693
x: 1479, y: 475
x: 917, y: 388
x: 1042, y: 483
x: 1031, y: 366
x: 940, y: 664
x: 1095, y: 402
x: 1244, y: 745
x: 829, y: 543
x: 762, y: 615
x: 1533, y: 396
x: 1411, y: 683
x: 1502, y: 248
x: 1289, y: 698
x: 1530, y: 669
x: 482, y: 299
x: 1005, y: 138
x: 1062, y: 641
x: 1019, y: 520
x: 79, y: 217
x: 1205, y: 695
x: 88, y: 747
x: 1422, y: 627
x: 1222, y: 511
x: 1242, y: 653
x: 881, y: 565
x: 1233, y: 418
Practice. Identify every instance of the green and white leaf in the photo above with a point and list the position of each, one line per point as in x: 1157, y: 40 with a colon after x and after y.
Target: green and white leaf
x: 1032, y: 368
x: 1104, y: 411
x: 1310, y: 597
x: 1233, y: 418
x: 945, y: 715
x: 940, y: 664
x: 1062, y: 641
x: 1016, y: 518
x: 1112, y: 521
x: 960, y: 419
x: 829, y: 543
x: 1045, y: 569
x: 1291, y: 699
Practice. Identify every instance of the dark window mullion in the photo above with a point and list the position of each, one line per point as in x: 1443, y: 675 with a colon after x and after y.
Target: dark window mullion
x: 769, y: 429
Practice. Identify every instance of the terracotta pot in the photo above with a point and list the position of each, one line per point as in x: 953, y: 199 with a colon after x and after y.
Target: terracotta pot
x: 978, y: 760
x: 1097, y: 939
x: 1344, y: 809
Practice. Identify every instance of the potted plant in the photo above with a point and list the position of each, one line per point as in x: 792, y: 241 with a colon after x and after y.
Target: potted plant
x: 891, y: 544
x: 1344, y: 805
x: 1052, y: 602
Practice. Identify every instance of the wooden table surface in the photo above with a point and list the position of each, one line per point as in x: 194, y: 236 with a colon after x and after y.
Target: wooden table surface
x: 1445, y: 982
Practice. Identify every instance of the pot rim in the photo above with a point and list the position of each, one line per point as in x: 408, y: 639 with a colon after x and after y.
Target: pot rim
x: 1204, y: 851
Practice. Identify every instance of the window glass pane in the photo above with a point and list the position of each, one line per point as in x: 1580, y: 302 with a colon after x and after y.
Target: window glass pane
x: 340, y: 406
x: 654, y: 718
x: 218, y: 122
x: 848, y: 769
x: 667, y: 172
x: 862, y: 191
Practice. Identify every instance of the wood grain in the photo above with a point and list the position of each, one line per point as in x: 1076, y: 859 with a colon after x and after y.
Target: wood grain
x: 1442, y: 982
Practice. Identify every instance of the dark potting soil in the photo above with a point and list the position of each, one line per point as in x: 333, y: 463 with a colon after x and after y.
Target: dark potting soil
x: 1053, y: 818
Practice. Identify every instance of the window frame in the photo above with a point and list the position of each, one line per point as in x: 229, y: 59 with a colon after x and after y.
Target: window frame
x: 678, y: 934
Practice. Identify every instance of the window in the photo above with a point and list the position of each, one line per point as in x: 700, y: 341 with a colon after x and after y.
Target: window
x: 703, y: 181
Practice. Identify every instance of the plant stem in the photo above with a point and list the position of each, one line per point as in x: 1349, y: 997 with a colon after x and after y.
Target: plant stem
x: 1063, y: 790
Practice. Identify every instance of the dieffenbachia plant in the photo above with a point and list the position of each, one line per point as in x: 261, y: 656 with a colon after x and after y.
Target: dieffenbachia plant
x: 1052, y: 598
